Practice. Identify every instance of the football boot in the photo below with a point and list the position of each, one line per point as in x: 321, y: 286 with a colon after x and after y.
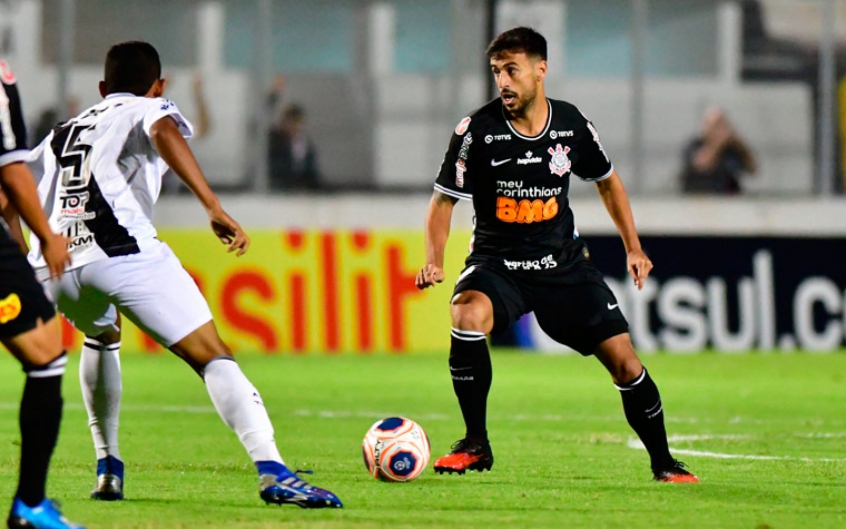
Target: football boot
x: 45, y: 515
x: 674, y: 473
x: 466, y: 454
x: 286, y: 487
x: 109, y: 479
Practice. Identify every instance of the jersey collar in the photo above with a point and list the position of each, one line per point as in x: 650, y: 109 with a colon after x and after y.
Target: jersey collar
x: 120, y: 94
x: 542, y: 134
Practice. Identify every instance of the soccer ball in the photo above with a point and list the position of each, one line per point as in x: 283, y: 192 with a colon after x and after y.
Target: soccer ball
x: 395, y: 449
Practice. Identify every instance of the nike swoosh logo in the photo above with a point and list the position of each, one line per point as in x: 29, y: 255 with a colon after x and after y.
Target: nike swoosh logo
x: 494, y: 163
x: 614, y: 306
x: 459, y: 368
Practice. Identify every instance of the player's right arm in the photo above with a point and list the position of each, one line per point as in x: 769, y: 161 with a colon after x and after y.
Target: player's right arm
x: 452, y: 184
x: 438, y: 220
x: 174, y: 150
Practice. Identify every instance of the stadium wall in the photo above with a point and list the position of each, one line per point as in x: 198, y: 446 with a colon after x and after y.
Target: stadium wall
x: 335, y: 274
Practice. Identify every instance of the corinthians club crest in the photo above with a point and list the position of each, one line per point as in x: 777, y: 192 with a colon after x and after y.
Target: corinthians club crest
x: 559, y: 164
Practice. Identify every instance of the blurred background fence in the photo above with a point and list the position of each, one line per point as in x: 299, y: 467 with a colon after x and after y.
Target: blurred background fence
x: 377, y: 86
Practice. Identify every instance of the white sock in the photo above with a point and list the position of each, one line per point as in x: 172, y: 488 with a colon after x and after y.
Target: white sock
x: 240, y: 406
x: 99, y: 378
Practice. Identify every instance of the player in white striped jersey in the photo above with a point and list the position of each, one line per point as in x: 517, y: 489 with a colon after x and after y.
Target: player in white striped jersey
x: 99, y: 176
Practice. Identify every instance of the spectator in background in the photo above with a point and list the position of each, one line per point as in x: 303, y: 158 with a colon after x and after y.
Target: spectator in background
x: 715, y: 161
x: 292, y: 157
x: 171, y: 184
x: 50, y: 117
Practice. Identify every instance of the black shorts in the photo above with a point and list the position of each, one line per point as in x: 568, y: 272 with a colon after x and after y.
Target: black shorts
x: 572, y: 303
x: 22, y: 298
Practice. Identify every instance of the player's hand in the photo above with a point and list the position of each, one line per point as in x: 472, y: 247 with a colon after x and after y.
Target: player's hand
x: 428, y: 276
x: 229, y: 232
x: 639, y: 267
x: 55, y: 252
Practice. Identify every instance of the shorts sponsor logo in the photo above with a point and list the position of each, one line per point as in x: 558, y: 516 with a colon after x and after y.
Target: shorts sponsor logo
x: 529, y: 159
x: 10, y: 308
x: 555, y: 134
x: 461, y: 128
x: 560, y: 163
x: 545, y: 263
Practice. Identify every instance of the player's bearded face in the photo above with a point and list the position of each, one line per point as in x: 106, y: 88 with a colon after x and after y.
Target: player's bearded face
x: 517, y: 78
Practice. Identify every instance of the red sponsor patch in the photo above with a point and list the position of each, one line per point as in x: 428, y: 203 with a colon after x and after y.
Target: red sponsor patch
x: 461, y: 128
x: 6, y: 73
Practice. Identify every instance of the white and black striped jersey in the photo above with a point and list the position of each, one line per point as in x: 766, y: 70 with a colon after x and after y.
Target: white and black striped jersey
x: 99, y: 176
x: 519, y: 185
x: 13, y: 146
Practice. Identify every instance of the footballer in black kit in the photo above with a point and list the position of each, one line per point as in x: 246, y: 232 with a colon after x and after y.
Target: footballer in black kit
x: 514, y: 158
x: 28, y: 326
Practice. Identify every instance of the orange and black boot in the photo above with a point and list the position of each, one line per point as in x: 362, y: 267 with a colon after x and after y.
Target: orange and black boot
x: 467, y: 454
x: 675, y: 473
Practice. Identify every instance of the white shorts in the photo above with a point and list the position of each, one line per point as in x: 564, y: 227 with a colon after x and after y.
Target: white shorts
x: 150, y: 288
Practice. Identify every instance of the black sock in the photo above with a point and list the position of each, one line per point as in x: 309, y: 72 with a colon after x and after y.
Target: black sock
x: 40, y: 416
x: 645, y: 414
x: 470, y: 367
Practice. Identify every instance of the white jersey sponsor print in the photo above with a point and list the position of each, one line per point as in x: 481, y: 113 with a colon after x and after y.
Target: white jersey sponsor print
x: 99, y: 176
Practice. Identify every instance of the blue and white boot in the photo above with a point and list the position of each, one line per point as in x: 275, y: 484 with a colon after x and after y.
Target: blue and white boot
x: 45, y: 515
x: 279, y: 485
x: 109, y: 480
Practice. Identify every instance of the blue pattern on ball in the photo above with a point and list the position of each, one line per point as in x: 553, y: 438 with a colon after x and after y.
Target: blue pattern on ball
x: 403, y: 463
x: 391, y: 423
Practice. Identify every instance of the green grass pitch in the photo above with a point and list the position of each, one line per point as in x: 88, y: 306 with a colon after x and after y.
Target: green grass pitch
x: 562, y: 446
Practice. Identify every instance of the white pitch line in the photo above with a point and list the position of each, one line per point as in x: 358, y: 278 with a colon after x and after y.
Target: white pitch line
x: 637, y: 445
x: 346, y: 414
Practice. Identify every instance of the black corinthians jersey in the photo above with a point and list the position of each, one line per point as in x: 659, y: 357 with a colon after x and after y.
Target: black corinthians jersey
x: 519, y: 185
x: 13, y: 146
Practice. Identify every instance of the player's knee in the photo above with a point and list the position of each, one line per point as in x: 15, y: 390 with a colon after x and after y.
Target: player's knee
x: 40, y: 346
x: 472, y: 317
x: 626, y: 370
x: 107, y: 338
x: 46, y: 364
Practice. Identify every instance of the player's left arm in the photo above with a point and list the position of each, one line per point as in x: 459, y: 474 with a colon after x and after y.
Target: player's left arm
x: 168, y: 140
x: 616, y: 201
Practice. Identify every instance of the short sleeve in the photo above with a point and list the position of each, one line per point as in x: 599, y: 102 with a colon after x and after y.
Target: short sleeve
x: 592, y: 164
x: 164, y: 108
x: 453, y: 178
x: 13, y: 147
